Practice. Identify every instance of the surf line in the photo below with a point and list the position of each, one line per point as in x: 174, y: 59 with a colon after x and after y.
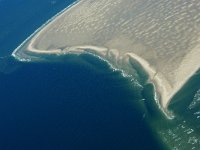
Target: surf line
x: 114, y: 59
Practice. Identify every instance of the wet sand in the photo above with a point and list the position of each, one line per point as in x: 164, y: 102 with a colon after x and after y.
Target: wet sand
x: 163, y: 36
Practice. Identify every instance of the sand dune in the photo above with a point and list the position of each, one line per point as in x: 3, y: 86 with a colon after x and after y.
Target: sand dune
x: 163, y: 36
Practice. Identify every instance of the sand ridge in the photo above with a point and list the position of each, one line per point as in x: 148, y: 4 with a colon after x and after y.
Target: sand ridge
x: 163, y: 36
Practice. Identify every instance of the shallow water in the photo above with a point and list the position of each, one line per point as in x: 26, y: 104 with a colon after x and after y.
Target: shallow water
x: 80, y: 102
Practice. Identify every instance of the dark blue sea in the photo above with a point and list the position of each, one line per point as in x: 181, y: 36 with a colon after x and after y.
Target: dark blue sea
x: 80, y: 103
x: 63, y: 106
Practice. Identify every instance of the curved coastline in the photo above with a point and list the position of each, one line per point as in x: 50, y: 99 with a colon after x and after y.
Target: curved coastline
x: 156, y: 79
x: 39, y: 45
x: 40, y: 29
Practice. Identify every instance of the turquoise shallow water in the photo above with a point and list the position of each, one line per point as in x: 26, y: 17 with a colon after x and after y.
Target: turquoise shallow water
x: 80, y: 102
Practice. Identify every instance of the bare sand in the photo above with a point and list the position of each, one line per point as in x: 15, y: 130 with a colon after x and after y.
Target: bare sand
x: 163, y: 36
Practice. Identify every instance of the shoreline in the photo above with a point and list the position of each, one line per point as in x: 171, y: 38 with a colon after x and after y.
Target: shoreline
x: 156, y: 79
x: 43, y: 26
x: 168, y: 67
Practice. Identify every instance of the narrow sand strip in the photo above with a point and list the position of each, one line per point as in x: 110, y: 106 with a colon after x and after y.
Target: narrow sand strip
x: 163, y: 36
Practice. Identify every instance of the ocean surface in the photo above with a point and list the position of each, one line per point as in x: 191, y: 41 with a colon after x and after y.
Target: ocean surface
x: 81, y: 103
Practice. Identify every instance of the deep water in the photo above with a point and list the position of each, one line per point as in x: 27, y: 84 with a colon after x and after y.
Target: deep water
x: 71, y: 106
x: 78, y: 104
x: 20, y: 18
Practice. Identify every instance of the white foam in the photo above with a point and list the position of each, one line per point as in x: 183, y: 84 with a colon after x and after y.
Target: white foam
x: 162, y: 36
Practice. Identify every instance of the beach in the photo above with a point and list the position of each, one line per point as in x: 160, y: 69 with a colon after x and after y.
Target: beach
x: 167, y: 48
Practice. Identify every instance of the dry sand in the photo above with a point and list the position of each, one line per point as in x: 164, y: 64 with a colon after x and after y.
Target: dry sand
x: 163, y: 36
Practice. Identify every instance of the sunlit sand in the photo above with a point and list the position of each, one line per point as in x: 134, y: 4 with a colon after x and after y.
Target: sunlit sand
x: 163, y: 36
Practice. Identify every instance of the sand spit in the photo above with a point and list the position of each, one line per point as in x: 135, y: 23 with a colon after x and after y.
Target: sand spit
x: 163, y: 36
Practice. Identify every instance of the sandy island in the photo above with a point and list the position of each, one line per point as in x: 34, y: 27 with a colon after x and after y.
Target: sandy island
x: 163, y: 36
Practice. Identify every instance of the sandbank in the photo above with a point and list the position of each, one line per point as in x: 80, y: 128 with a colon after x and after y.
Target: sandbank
x: 163, y: 36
